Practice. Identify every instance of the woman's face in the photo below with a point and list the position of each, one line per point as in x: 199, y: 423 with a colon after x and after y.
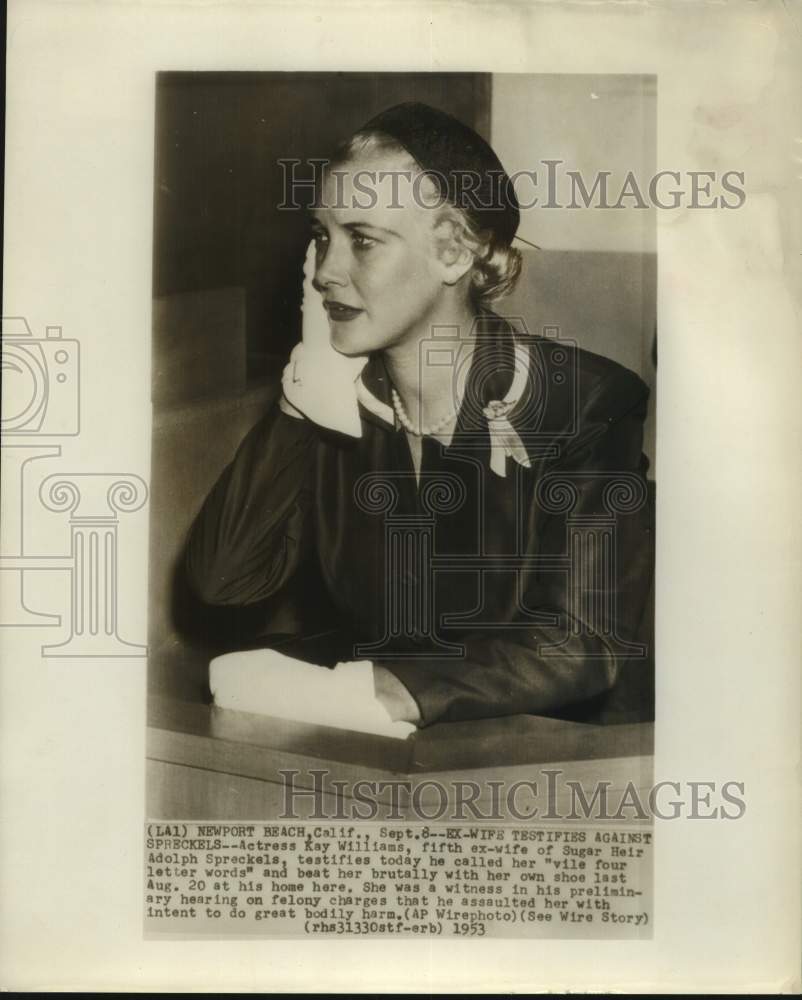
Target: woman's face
x: 377, y: 265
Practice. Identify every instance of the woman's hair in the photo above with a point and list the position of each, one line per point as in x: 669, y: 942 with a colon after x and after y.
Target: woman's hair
x: 496, y: 264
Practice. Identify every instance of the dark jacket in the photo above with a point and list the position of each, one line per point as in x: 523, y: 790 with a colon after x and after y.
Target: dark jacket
x: 484, y: 594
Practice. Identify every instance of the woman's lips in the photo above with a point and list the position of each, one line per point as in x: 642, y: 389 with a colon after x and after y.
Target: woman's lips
x: 340, y: 312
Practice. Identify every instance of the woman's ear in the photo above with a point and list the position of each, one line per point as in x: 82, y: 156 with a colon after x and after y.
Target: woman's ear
x: 454, y: 257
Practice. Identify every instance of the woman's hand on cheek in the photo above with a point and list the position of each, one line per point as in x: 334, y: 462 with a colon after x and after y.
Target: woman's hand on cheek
x: 320, y: 384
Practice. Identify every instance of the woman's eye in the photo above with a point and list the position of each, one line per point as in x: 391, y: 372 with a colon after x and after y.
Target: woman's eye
x: 362, y: 242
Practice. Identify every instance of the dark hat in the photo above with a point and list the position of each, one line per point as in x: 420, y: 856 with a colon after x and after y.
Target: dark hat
x: 463, y: 166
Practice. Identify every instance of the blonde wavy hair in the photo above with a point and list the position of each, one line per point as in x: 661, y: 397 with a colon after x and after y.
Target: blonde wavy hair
x: 496, y: 265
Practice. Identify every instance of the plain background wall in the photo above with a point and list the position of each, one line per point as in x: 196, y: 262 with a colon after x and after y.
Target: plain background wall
x: 595, y: 276
x: 591, y: 123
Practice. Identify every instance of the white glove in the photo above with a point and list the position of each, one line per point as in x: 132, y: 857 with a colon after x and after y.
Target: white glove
x: 318, y: 381
x: 266, y: 682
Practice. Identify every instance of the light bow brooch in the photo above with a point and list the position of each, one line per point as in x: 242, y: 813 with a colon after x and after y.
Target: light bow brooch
x: 504, y: 439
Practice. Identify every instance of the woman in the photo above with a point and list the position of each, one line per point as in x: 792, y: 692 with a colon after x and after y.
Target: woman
x: 469, y: 537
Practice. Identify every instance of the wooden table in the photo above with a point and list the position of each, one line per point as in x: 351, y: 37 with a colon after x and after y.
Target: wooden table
x: 208, y: 763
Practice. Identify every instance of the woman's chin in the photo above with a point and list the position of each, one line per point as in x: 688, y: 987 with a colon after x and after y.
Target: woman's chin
x: 349, y: 342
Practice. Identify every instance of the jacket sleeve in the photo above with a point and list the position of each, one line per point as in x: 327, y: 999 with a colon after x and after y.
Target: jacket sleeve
x: 508, y: 671
x: 252, y: 531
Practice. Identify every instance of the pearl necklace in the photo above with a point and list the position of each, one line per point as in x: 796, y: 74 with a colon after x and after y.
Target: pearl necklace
x: 407, y: 424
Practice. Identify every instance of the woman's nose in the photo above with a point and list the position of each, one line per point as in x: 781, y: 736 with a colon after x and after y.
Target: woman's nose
x: 331, y: 269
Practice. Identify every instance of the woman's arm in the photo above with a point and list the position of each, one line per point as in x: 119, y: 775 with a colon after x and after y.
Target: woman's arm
x: 251, y: 533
